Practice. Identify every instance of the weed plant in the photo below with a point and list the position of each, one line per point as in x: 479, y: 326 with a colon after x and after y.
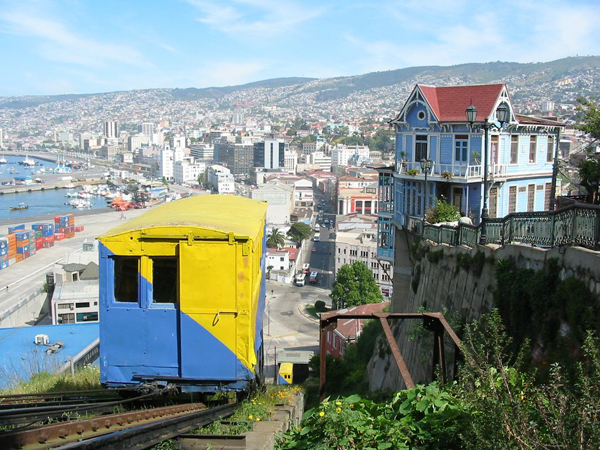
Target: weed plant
x: 87, y: 378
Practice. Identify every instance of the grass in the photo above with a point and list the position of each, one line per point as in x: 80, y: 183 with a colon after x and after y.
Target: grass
x: 84, y: 379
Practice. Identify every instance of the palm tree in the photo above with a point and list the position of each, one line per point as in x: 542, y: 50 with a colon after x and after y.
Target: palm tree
x: 275, y: 239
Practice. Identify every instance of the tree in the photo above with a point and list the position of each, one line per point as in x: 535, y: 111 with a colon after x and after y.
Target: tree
x: 201, y: 179
x: 299, y: 231
x: 275, y: 239
x: 354, y: 285
x: 589, y: 169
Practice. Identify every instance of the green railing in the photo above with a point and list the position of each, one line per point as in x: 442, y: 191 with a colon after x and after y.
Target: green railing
x: 573, y: 225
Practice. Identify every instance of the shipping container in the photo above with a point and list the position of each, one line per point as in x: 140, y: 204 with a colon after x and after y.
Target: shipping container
x: 15, y: 228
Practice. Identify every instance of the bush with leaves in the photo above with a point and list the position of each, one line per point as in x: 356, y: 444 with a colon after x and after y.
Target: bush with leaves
x: 354, y: 285
x: 443, y: 212
x: 508, y: 409
x: 299, y: 231
x: 423, y: 417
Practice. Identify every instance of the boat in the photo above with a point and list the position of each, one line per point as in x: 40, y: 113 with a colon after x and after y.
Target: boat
x: 3, y: 160
x: 18, y: 208
x: 27, y: 161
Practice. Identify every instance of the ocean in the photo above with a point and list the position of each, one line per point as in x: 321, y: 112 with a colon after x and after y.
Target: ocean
x: 39, y: 202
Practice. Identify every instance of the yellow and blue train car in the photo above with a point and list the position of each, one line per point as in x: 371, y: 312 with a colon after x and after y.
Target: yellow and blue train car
x: 182, y: 295
x: 286, y: 373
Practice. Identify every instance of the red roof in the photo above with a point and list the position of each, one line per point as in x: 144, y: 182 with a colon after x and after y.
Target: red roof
x: 350, y: 328
x: 450, y: 103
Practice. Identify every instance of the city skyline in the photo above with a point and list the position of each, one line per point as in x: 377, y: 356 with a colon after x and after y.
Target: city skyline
x: 73, y: 47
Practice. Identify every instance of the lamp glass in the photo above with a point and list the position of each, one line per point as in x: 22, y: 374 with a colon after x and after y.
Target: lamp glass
x: 503, y: 113
x: 471, y: 113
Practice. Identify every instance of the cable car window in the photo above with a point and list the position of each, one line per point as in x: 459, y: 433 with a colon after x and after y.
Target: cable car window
x: 164, y: 280
x: 126, y: 279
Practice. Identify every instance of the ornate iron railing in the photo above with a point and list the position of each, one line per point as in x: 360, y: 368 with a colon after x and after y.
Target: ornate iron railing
x: 574, y: 225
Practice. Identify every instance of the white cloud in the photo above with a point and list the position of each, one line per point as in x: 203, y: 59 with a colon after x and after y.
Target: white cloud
x: 57, y: 43
x: 254, y: 17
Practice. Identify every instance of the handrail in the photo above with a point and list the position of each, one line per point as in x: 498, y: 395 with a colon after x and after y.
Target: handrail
x: 573, y: 225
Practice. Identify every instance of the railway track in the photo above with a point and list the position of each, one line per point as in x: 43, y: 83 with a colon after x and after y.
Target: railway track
x: 130, y: 430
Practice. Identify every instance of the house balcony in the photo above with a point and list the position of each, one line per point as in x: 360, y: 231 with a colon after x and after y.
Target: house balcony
x: 453, y: 172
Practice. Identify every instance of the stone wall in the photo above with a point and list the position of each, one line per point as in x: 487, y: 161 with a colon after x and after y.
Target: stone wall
x: 462, y: 292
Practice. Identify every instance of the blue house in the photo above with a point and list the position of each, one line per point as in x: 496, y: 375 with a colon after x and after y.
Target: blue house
x: 433, y: 126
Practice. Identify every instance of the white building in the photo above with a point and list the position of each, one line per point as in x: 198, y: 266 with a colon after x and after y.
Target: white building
x: 167, y: 163
x: 111, y: 129
x: 136, y: 141
x: 221, y: 179
x: 148, y: 129
x: 319, y: 159
x: 187, y: 170
x: 177, y: 142
x: 204, y: 152
x: 280, y: 201
x: 340, y: 154
x: 291, y: 161
x: 356, y: 240
x: 76, y: 287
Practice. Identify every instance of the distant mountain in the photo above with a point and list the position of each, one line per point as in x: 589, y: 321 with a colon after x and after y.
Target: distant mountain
x: 473, y: 73
x: 216, y: 92
x: 517, y: 75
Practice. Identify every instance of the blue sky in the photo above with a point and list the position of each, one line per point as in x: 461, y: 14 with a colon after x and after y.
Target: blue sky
x: 87, y: 46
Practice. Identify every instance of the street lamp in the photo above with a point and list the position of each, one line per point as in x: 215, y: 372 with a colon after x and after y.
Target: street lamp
x: 503, y: 115
x: 426, y: 165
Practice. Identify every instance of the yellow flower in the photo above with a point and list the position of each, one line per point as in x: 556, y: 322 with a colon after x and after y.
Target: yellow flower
x: 258, y: 419
x: 322, y: 413
x: 351, y: 405
x: 338, y: 403
x: 338, y: 410
x: 250, y: 417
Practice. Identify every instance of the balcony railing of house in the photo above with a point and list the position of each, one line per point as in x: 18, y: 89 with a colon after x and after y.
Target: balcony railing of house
x: 574, y: 225
x: 448, y: 171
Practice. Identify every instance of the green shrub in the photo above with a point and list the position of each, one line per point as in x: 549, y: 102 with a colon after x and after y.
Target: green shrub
x: 443, y: 212
x: 320, y: 306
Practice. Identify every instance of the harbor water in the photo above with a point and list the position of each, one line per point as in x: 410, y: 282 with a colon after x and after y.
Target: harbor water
x: 51, y: 201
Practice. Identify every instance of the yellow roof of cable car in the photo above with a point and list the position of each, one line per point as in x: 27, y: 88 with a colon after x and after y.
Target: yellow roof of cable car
x: 223, y: 213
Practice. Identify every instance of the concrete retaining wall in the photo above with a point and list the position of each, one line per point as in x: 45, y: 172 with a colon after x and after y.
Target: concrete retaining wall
x: 26, y: 311
x: 444, y: 287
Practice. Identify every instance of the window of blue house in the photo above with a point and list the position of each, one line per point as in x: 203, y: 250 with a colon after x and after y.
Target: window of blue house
x: 420, y: 147
x: 461, y: 145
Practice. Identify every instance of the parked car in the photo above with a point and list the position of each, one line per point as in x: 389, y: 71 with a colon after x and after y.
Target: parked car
x: 305, y: 268
x: 314, y: 249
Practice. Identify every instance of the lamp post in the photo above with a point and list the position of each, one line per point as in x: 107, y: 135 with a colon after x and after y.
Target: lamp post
x: 503, y: 115
x: 426, y: 165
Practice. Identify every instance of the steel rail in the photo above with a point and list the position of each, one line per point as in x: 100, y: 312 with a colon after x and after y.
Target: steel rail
x: 47, y: 412
x: 136, y: 429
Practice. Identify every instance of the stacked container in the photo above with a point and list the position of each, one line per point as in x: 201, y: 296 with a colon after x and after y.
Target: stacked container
x: 65, y: 225
x: 48, y: 235
x: 12, y: 249
x: 3, y: 253
x: 16, y: 228
x: 22, y: 245
x: 37, y: 235
x: 32, y: 243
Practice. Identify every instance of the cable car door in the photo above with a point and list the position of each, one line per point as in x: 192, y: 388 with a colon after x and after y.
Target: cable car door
x: 208, y: 309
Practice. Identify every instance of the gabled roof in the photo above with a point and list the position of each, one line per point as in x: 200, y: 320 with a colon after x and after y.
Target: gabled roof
x: 449, y: 103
